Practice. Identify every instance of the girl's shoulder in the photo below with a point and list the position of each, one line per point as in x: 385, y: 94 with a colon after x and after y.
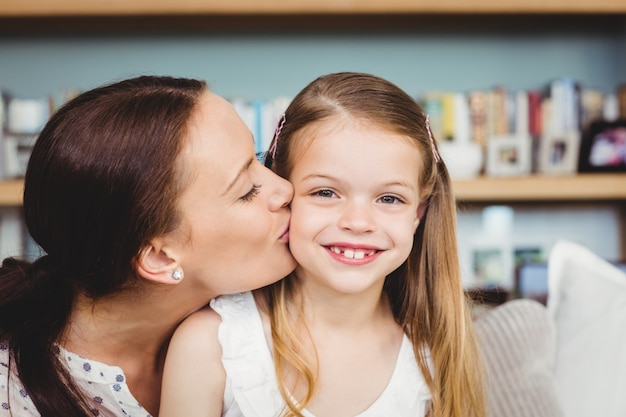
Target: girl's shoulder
x: 201, y: 319
x: 239, y: 304
x: 198, y: 333
x: 251, y: 387
x: 241, y: 325
x: 193, y: 378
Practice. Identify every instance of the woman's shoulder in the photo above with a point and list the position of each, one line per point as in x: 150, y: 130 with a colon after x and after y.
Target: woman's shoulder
x: 4, y: 373
x: 12, y: 393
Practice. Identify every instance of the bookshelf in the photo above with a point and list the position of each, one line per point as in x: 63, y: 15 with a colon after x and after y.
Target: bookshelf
x: 584, y: 188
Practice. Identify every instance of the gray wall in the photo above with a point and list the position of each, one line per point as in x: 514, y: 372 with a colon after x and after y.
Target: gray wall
x: 264, y: 65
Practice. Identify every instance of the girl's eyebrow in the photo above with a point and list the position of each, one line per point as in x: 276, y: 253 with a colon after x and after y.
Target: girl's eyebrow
x: 392, y: 183
x: 314, y: 176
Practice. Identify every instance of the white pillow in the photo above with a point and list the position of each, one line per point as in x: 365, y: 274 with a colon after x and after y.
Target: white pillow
x: 587, y: 300
x: 517, y: 341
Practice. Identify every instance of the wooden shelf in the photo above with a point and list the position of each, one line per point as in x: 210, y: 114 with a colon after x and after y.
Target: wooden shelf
x: 23, y: 8
x: 532, y: 189
x: 544, y: 188
x: 19, y: 17
x: 11, y: 192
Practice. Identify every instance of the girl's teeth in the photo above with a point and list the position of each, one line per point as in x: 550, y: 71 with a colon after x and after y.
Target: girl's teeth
x: 349, y: 253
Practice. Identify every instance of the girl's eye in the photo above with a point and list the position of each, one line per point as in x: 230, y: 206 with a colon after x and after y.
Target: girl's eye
x: 389, y: 199
x: 324, y: 193
x: 249, y: 196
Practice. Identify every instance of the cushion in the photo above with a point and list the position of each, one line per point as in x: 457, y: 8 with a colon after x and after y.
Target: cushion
x: 587, y: 300
x: 517, y: 341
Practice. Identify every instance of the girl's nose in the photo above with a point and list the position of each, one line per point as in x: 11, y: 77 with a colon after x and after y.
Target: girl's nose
x: 357, y: 217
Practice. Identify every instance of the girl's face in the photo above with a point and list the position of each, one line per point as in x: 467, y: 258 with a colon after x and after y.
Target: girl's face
x: 355, y: 207
x: 235, y: 216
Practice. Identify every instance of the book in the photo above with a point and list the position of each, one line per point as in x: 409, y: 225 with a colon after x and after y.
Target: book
x: 462, y: 119
x: 592, y: 103
x: 521, y: 114
x: 564, y: 115
x: 448, y: 129
x: 497, y: 114
x: 432, y: 102
x: 535, y: 126
x: 621, y: 100
x: 477, y: 100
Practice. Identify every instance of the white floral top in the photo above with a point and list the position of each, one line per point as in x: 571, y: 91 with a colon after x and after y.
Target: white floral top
x: 105, y: 385
x: 251, y: 386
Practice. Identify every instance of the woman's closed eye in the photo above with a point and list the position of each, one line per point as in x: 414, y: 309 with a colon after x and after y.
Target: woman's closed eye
x: 249, y: 196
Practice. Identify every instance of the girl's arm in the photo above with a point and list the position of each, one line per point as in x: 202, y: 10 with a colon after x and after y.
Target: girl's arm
x: 193, y: 378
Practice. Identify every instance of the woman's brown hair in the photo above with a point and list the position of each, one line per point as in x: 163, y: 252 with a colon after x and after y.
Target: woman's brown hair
x: 103, y: 179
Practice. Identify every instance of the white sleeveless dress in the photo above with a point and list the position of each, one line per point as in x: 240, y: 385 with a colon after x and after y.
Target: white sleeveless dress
x: 251, y: 386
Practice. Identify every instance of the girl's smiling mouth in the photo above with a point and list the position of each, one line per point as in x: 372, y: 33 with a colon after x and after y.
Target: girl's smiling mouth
x: 353, y: 254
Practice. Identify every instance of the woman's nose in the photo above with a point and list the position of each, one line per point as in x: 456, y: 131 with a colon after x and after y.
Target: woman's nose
x: 282, y: 192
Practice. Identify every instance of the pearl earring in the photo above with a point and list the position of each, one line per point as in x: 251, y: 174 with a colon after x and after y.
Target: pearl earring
x: 177, y: 275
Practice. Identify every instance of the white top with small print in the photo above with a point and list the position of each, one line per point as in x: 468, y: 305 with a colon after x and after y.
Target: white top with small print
x: 104, y: 385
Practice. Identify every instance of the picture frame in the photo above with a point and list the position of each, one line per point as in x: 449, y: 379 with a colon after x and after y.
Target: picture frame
x: 530, y: 273
x: 508, y: 155
x: 558, y: 153
x: 531, y: 281
x: 492, y: 265
x: 15, y: 153
x: 603, y: 147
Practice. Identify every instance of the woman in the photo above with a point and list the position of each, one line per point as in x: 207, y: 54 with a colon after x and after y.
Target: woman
x: 148, y: 200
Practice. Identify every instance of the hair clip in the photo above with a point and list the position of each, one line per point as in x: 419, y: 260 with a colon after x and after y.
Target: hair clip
x: 432, y: 141
x: 281, y: 122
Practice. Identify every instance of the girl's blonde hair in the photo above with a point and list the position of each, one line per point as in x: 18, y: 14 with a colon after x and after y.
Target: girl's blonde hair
x: 425, y: 293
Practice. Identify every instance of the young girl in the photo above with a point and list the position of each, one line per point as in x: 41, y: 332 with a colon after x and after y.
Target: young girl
x: 374, y: 321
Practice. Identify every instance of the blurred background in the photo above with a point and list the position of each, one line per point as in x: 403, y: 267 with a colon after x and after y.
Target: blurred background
x: 513, y: 89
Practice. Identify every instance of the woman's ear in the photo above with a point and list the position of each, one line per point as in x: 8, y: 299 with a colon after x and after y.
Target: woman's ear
x: 158, y: 264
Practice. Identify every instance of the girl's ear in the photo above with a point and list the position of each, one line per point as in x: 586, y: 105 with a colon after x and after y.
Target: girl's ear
x: 421, y: 209
x: 156, y: 263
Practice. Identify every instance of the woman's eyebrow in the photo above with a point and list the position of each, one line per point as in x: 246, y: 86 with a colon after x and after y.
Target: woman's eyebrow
x: 243, y: 169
